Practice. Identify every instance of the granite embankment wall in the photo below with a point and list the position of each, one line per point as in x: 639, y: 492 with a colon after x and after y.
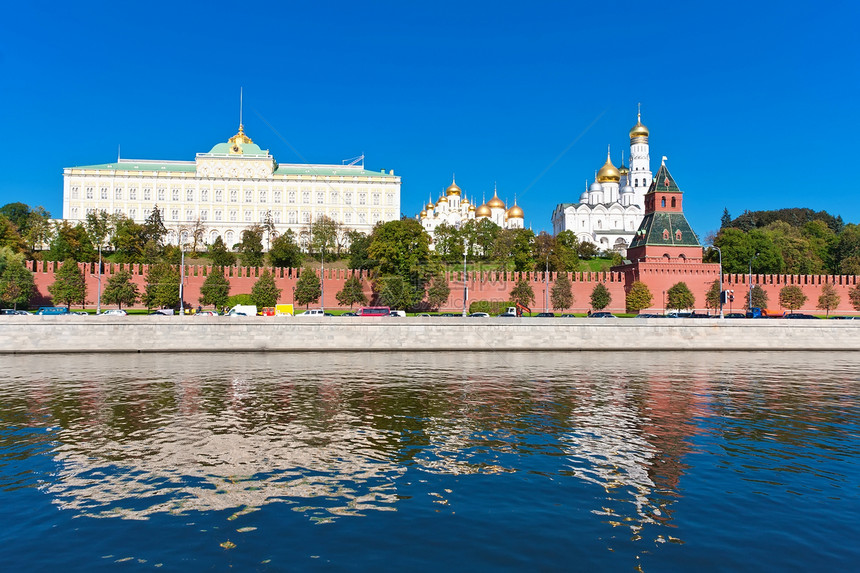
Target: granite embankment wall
x: 489, y: 285
x: 57, y: 334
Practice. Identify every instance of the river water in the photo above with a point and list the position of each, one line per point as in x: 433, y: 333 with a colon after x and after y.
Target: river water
x: 420, y: 462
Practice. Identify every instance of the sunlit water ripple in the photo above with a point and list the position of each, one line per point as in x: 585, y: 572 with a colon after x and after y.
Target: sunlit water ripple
x: 639, y: 461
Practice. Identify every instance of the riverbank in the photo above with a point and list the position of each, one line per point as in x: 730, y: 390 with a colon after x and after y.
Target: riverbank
x: 49, y: 334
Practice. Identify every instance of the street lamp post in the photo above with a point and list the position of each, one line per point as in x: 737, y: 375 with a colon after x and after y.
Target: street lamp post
x: 719, y: 252
x: 322, y: 279
x: 99, y: 276
x: 749, y: 300
x: 182, y: 280
x: 546, y: 285
x: 465, y: 287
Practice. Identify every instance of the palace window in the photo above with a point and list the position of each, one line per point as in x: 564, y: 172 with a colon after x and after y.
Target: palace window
x: 175, y: 194
x: 103, y: 192
x: 376, y: 198
x: 89, y: 192
x: 389, y: 199
x: 248, y: 218
x: 117, y: 193
x: 217, y: 214
x: 362, y: 198
x: 277, y: 196
x: 362, y: 218
x: 218, y: 195
x: 74, y: 192
x: 117, y: 211
x: 147, y: 213
x: 174, y: 215
x: 347, y: 197
x: 204, y: 215
x: 291, y: 196
x: 228, y: 238
x: 162, y: 194
x: 233, y: 215
x: 189, y: 195
x: 74, y: 212
x: 347, y: 217
x: 320, y: 197
x: 132, y: 194
x: 306, y: 197
x: 262, y: 196
x: 277, y: 216
x: 147, y: 194
x: 306, y: 217
x: 204, y: 194
x: 334, y: 196
x: 189, y: 215
x: 132, y: 213
x: 234, y: 195
x: 376, y: 216
x: 291, y: 217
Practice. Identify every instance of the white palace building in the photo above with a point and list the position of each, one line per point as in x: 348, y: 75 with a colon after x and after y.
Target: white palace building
x: 609, y: 211
x: 230, y: 188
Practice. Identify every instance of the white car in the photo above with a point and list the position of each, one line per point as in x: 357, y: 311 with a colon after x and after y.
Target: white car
x: 114, y: 312
x: 479, y: 315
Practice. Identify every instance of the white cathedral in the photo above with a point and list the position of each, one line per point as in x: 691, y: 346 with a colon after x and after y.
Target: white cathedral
x: 610, y: 209
x: 456, y: 210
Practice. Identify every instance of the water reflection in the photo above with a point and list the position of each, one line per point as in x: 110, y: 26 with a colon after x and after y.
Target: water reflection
x: 332, y: 436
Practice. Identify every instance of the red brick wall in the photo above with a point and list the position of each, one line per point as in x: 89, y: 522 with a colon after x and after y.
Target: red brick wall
x: 495, y: 285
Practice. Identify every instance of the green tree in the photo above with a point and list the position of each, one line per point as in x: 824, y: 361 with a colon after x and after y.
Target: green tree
x: 792, y: 297
x: 358, y: 245
x: 567, y: 247
x: 679, y: 296
x: 9, y: 235
x: 448, y: 242
x: 562, y: 292
x: 219, y: 254
x: 513, y: 249
x: 69, y: 285
x: 265, y: 292
x: 854, y: 297
x: 829, y: 298
x: 154, y: 228
x: 739, y: 248
x: 726, y: 219
x: 251, y: 247
x: 162, y: 286
x: 438, y: 292
x: 397, y: 292
x: 215, y: 290
x: 600, y: 297
x: 323, y: 236
x: 120, y: 290
x: 285, y: 252
x: 486, y: 232
x: 759, y: 297
x: 308, y: 288
x: 38, y: 229
x: 352, y: 292
x: 638, y: 297
x: 522, y: 293
x: 712, y: 297
x: 128, y: 241
x: 846, y: 251
x: 99, y: 226
x: 70, y: 242
x: 16, y: 281
x: 402, y: 248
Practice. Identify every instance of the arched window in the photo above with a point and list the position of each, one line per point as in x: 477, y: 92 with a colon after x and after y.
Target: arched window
x: 666, y: 256
x: 673, y: 202
x: 678, y: 235
x: 662, y: 201
x: 665, y: 234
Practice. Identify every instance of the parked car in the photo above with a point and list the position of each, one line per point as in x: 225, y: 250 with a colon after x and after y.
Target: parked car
x: 546, y: 315
x: 735, y: 315
x: 843, y: 318
x: 349, y: 314
x: 311, y: 312
x: 206, y: 313
x: 649, y: 316
x: 114, y: 312
x: 81, y: 313
x: 508, y: 315
x: 53, y: 310
x: 698, y: 315
x: 568, y: 315
x: 602, y: 315
x: 163, y: 312
x: 799, y: 315
x: 400, y: 313
x: 13, y: 312
x: 479, y: 315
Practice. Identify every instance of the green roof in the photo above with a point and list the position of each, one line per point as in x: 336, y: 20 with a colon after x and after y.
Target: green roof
x: 651, y: 231
x: 248, y: 149
x: 663, y: 182
x: 191, y: 167
x: 131, y: 165
x: 328, y: 171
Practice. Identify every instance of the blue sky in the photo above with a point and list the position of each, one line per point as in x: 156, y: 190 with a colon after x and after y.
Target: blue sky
x: 754, y: 105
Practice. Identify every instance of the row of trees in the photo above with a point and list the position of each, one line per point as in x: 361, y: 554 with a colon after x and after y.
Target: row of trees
x: 789, y: 241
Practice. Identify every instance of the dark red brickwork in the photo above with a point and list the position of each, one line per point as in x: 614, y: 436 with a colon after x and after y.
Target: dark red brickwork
x: 495, y: 285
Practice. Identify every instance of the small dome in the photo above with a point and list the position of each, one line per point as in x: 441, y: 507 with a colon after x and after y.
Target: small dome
x: 442, y: 199
x: 638, y: 130
x: 596, y: 187
x: 453, y: 189
x: 471, y: 207
x: 428, y: 206
x: 483, y: 211
x: 584, y: 197
x: 515, y: 212
x: 423, y: 214
x: 626, y: 189
x: 465, y: 201
x: 495, y: 202
x: 623, y: 170
x: 608, y: 173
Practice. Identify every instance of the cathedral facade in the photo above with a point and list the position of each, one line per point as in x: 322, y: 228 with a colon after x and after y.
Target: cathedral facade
x: 610, y: 210
x: 230, y: 188
x: 454, y: 209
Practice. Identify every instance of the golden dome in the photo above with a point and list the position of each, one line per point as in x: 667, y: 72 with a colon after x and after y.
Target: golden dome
x: 471, y: 207
x: 638, y: 130
x: 428, y: 206
x: 623, y: 170
x: 465, y: 201
x: 483, y: 211
x: 453, y: 189
x: 515, y: 212
x: 442, y: 199
x: 608, y: 172
x: 423, y: 214
x: 495, y: 202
